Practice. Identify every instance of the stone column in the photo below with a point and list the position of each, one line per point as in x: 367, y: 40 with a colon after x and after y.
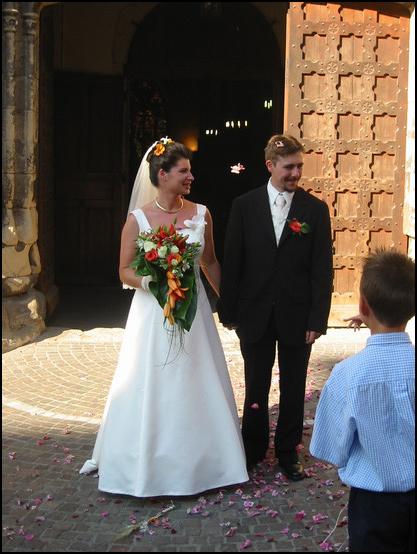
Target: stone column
x: 23, y: 310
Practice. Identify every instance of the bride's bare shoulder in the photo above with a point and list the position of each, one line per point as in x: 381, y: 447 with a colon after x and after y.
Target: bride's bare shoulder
x: 149, y: 207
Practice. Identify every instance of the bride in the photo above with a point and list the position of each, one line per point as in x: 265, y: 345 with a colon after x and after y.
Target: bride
x: 170, y: 425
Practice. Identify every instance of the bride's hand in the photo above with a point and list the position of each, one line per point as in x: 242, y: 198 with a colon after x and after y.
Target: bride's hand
x: 145, y: 282
x: 355, y: 321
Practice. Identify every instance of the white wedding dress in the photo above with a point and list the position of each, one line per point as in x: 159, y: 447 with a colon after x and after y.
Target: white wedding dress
x: 170, y: 425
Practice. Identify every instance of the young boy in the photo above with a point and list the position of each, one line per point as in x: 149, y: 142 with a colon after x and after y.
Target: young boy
x: 365, y: 418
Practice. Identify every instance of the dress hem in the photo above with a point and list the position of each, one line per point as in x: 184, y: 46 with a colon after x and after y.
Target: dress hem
x: 198, y: 491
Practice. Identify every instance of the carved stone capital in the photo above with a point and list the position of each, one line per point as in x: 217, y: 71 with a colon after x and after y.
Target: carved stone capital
x: 10, y: 20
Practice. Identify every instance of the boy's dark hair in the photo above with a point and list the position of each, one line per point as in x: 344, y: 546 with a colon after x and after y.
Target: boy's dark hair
x: 172, y: 152
x: 388, y: 285
x: 280, y: 146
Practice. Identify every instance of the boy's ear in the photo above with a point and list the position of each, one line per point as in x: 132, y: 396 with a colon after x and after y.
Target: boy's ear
x: 364, y: 308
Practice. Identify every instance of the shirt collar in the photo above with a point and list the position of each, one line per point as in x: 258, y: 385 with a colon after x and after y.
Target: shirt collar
x: 273, y: 193
x: 388, y: 338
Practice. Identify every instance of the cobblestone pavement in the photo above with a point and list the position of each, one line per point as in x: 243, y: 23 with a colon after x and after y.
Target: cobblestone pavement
x: 54, y: 394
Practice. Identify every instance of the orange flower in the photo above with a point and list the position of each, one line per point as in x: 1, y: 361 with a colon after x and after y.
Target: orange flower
x: 159, y: 149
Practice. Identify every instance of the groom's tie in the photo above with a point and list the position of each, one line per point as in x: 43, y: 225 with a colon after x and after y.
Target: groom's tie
x: 279, y: 214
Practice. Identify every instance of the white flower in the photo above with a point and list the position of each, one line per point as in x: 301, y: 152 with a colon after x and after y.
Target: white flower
x: 174, y: 262
x: 140, y: 243
x: 162, y: 251
x: 148, y: 245
x: 174, y: 249
x: 185, y: 266
x: 195, y: 223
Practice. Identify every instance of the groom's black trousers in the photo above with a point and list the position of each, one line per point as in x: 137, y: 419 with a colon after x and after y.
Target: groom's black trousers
x: 259, y: 358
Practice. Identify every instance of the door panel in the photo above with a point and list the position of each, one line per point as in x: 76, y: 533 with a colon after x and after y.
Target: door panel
x: 88, y: 117
x: 346, y: 100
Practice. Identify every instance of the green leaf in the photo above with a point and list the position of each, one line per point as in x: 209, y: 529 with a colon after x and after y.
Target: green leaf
x: 185, y: 310
x: 305, y: 228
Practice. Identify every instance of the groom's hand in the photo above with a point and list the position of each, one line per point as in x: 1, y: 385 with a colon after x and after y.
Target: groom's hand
x: 311, y: 336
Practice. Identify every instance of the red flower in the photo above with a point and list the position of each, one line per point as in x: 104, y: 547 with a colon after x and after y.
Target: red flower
x: 152, y: 255
x: 172, y: 257
x: 295, y: 226
x: 298, y: 228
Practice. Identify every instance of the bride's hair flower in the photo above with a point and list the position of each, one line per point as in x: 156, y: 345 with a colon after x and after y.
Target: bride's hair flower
x: 161, y: 145
x: 159, y: 149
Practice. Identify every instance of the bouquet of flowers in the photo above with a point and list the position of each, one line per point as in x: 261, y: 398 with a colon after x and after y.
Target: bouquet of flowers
x: 165, y: 255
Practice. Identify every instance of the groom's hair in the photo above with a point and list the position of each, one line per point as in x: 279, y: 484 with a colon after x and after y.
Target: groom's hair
x: 388, y: 285
x: 172, y: 153
x: 279, y: 146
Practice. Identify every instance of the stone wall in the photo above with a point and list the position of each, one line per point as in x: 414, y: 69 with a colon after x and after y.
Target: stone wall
x: 23, y: 308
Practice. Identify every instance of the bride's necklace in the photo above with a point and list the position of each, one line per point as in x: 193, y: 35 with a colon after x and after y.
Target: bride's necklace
x: 170, y: 211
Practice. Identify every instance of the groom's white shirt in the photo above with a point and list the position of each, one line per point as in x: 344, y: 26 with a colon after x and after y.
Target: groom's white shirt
x: 279, y: 215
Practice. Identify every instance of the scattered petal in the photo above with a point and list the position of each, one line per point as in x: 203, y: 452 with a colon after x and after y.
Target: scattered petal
x: 319, y: 517
x: 245, y: 544
x: 326, y: 546
x: 29, y: 536
x: 300, y: 515
x: 105, y: 514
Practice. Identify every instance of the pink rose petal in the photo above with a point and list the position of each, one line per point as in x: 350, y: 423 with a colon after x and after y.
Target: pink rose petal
x: 255, y: 406
x: 245, y: 544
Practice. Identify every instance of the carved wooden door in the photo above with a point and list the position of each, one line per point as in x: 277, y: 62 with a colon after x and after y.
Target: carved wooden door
x: 345, y: 99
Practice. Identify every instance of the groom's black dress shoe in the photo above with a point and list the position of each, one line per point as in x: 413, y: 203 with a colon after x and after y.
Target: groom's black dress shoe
x: 292, y: 469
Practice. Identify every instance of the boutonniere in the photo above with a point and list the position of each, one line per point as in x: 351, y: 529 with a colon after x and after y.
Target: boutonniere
x: 298, y: 228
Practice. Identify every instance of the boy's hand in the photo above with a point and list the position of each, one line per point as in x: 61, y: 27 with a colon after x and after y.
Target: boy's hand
x: 354, y: 321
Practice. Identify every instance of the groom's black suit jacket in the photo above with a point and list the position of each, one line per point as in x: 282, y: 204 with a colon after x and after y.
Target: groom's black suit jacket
x: 293, y: 280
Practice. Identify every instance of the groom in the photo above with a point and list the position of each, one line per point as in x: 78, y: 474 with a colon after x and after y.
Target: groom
x: 276, y: 288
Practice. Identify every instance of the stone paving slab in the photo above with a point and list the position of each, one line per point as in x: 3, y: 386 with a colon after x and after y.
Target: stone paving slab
x: 54, y: 394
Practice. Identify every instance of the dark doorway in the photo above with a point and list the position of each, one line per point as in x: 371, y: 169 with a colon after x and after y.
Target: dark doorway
x: 214, y: 69
x: 191, y: 68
